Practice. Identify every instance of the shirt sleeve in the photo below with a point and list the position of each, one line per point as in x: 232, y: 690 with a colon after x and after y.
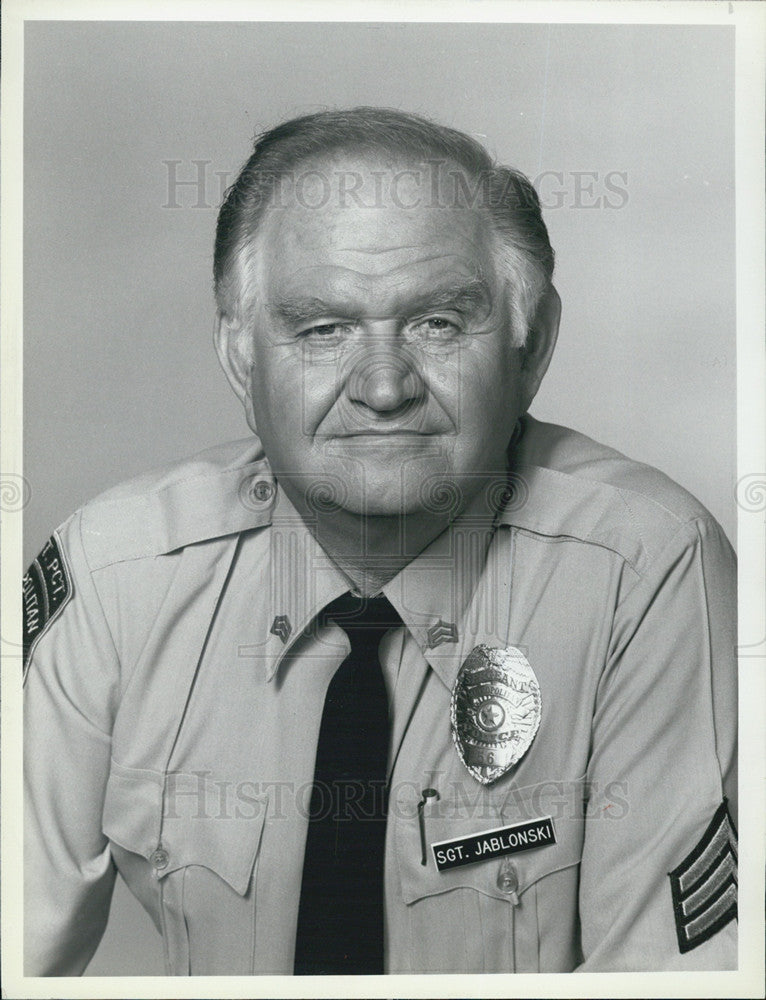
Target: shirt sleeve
x: 70, y: 691
x: 658, y: 873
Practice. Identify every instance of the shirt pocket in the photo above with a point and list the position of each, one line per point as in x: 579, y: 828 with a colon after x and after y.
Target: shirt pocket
x: 190, y: 857
x: 491, y: 915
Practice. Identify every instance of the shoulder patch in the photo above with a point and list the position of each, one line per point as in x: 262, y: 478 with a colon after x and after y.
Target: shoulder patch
x: 47, y: 587
x: 704, y: 885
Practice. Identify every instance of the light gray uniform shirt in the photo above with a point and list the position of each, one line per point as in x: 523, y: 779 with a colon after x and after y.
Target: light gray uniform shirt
x: 175, y: 682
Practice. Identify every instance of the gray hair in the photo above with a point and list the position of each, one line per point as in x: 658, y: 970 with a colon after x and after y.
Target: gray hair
x: 524, y: 254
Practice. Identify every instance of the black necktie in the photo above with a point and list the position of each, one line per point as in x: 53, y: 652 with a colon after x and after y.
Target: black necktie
x: 340, y: 917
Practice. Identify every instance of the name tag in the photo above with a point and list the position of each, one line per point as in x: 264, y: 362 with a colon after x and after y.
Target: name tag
x: 494, y: 843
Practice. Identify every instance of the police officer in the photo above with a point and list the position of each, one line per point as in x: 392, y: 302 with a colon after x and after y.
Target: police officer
x: 408, y: 681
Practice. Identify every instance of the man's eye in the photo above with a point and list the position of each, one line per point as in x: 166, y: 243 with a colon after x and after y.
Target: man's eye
x: 324, y: 331
x: 437, y: 327
x: 321, y: 330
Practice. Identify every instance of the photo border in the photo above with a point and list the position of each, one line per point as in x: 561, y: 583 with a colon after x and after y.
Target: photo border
x: 749, y: 20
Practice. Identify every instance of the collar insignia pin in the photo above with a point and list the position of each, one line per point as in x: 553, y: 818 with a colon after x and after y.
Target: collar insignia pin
x: 441, y: 632
x: 281, y: 628
x: 495, y: 710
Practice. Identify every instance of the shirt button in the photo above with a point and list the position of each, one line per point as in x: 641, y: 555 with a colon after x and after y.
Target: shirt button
x: 160, y: 858
x: 508, y: 878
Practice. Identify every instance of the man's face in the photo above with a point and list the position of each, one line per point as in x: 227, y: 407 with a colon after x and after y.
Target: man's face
x: 382, y: 363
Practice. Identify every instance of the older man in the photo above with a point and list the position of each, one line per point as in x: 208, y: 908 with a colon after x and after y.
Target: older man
x: 408, y: 682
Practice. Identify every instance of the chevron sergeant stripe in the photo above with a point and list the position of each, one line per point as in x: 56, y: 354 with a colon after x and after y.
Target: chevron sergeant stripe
x: 704, y: 885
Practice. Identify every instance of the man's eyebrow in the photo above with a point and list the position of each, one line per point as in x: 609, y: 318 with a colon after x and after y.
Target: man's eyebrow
x: 299, y: 310
x: 464, y: 295
x: 459, y: 295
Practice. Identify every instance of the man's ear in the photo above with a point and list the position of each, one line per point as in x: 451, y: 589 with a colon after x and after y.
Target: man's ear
x: 541, y: 340
x: 232, y: 348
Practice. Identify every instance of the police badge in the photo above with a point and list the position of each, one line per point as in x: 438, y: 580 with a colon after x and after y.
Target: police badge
x: 495, y: 710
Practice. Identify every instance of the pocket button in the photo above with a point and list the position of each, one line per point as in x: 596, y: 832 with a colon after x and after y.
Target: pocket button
x: 261, y: 490
x: 160, y: 858
x: 508, y: 880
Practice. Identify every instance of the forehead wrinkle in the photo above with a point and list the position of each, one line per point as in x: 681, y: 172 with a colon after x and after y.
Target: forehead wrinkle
x: 455, y: 268
x: 382, y: 250
x: 385, y: 265
x: 355, y: 230
x: 469, y: 267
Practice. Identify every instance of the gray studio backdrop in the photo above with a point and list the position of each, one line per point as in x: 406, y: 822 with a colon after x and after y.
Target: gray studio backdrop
x: 628, y: 132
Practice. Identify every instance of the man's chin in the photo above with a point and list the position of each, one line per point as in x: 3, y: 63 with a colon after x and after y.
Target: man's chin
x: 404, y: 487
x: 384, y: 503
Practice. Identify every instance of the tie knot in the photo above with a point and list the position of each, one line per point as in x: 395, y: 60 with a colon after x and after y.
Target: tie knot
x: 352, y: 612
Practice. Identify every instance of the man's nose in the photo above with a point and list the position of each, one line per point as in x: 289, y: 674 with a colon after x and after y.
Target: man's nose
x: 384, y: 379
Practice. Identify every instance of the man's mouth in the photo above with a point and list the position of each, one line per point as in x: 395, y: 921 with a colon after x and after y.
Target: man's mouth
x: 387, y: 432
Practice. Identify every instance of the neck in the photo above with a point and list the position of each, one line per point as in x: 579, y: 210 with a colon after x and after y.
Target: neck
x: 371, y: 549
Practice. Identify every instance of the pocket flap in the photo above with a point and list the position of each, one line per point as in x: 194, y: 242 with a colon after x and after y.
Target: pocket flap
x: 205, y: 822
x: 449, y: 820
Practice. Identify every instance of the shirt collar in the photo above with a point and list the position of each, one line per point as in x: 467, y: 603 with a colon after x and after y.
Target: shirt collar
x: 302, y: 579
x: 456, y: 594
x: 452, y: 596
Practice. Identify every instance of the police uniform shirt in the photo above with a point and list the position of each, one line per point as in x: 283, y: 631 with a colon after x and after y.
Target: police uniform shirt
x: 176, y: 678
